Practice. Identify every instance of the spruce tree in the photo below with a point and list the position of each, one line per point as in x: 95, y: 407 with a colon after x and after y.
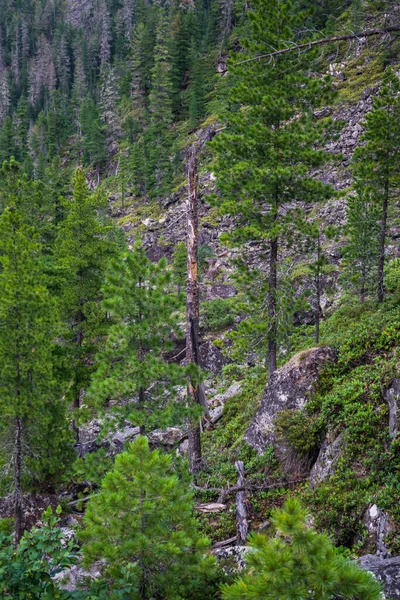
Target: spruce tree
x: 142, y: 524
x: 144, y: 321
x: 7, y: 143
x: 377, y: 162
x: 83, y: 249
x: 299, y: 563
x: 33, y: 424
x: 264, y: 156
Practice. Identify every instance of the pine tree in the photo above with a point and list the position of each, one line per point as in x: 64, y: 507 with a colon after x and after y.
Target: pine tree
x: 5, y: 99
x: 142, y: 524
x: 158, y: 137
x: 145, y: 319
x: 22, y: 127
x: 377, y: 162
x: 93, y: 136
x: 264, y: 156
x: 7, y: 143
x: 83, y: 248
x: 362, y: 249
x: 33, y: 423
x: 179, y: 265
x: 299, y: 563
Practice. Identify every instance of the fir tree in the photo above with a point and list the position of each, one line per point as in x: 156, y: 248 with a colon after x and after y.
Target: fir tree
x: 377, y: 162
x: 142, y: 524
x: 264, y: 155
x: 299, y: 563
x: 33, y: 422
x: 145, y: 319
x: 83, y: 248
x: 22, y: 127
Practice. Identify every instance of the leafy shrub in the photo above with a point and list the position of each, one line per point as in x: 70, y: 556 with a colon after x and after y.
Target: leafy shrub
x: 217, y: 314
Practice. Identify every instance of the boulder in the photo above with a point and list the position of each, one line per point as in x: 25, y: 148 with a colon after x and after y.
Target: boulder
x: 325, y: 464
x: 379, y: 526
x: 69, y: 579
x: 386, y: 570
x: 211, y: 358
x: 289, y: 389
x: 166, y: 437
x: 232, y: 559
x: 392, y: 397
x: 231, y: 392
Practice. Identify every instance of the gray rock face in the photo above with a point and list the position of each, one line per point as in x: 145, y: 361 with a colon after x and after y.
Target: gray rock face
x: 378, y: 525
x: 232, y: 559
x: 392, y: 397
x: 325, y: 464
x: 386, y: 570
x: 166, y: 437
x: 211, y: 358
x: 289, y: 389
x: 69, y: 579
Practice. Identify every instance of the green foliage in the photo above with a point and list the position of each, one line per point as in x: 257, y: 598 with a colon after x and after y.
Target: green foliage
x: 83, y: 249
x: 217, y: 314
x: 33, y: 413
x: 264, y: 155
x: 179, y: 265
x: 301, y: 563
x: 144, y: 320
x: 142, y: 523
x: 26, y: 571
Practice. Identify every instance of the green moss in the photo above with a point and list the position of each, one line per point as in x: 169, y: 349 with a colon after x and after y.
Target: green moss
x: 359, y: 75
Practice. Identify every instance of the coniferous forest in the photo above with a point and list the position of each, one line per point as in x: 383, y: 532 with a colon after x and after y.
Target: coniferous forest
x: 199, y: 299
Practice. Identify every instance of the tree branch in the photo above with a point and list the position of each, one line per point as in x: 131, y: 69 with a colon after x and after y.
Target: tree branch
x: 223, y: 493
x: 337, y: 38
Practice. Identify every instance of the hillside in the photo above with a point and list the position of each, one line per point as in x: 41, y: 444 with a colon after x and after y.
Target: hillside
x: 286, y: 385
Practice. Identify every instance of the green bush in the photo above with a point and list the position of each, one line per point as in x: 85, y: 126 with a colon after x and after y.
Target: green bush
x: 216, y: 314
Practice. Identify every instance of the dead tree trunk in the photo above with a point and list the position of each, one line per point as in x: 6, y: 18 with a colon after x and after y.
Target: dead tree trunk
x: 382, y: 244
x: 192, y: 304
x: 242, y: 525
x: 18, y: 499
x: 272, y: 328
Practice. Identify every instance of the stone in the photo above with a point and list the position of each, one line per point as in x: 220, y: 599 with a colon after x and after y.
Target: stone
x: 166, y: 437
x: 392, y: 397
x: 211, y: 358
x: 231, y: 559
x: 379, y: 526
x: 289, y: 389
x: 325, y: 464
x: 231, y: 392
x: 183, y: 448
x: 386, y: 570
x: 69, y: 579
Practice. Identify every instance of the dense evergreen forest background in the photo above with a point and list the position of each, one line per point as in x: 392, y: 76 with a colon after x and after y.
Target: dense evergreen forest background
x: 199, y: 299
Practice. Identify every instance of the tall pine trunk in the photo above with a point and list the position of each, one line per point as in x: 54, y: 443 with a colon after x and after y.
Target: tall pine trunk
x: 382, y: 243
x: 192, y: 305
x: 272, y: 327
x: 18, y: 498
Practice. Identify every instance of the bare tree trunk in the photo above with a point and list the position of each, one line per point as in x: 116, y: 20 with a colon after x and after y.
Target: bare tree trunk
x: 318, y: 291
x: 272, y: 329
x: 192, y: 304
x: 382, y: 244
x: 18, y: 497
x: 242, y: 524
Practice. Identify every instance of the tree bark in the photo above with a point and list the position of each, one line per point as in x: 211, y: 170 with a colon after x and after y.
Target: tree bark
x: 272, y: 328
x: 192, y: 304
x: 18, y: 497
x: 382, y: 244
x: 242, y: 524
x: 318, y: 291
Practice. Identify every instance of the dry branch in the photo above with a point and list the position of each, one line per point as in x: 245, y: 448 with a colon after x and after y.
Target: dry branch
x: 336, y: 38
